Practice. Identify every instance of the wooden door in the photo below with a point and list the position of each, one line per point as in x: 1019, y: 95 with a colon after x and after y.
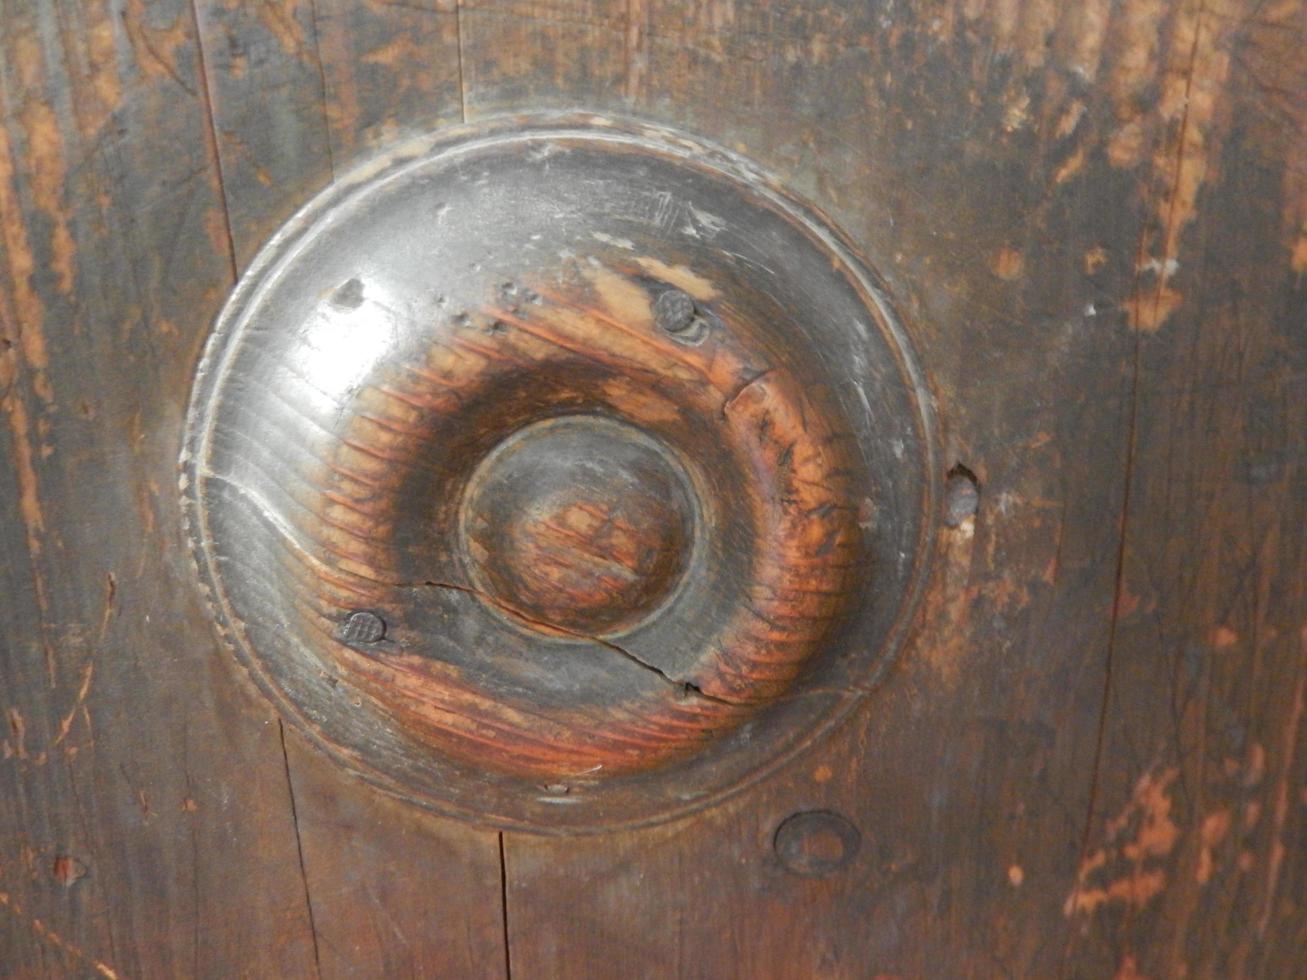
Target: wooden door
x: 1087, y: 758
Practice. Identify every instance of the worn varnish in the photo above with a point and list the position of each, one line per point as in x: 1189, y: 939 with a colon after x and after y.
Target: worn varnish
x: 614, y: 458
x: 1089, y: 759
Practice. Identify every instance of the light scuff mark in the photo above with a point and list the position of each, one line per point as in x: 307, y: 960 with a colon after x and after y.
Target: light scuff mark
x: 1129, y: 869
x: 70, y: 950
x: 1190, y: 115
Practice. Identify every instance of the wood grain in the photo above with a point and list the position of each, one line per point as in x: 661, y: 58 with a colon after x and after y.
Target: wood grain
x: 1090, y: 759
x: 1001, y: 163
x: 148, y: 827
x: 145, y: 827
x: 1194, y: 860
x: 373, y: 427
x: 297, y: 91
x: 394, y: 892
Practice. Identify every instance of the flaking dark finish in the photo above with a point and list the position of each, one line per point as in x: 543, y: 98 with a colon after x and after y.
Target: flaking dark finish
x: 1037, y: 181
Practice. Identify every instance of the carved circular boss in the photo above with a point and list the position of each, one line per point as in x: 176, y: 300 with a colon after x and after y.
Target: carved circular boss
x: 559, y: 474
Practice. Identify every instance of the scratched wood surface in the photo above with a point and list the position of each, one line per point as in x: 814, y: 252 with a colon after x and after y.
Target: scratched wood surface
x: 1090, y: 760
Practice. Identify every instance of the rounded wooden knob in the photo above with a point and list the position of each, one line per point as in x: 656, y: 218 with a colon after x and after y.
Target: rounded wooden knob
x: 578, y: 524
x: 559, y: 473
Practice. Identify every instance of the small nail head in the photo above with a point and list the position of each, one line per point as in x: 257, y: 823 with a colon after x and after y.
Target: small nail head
x: 363, y: 626
x: 674, y: 311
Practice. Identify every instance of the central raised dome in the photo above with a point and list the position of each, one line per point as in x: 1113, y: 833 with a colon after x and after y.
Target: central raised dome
x: 578, y: 525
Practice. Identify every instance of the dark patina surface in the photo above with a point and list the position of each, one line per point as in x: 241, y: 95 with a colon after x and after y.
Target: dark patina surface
x: 617, y: 446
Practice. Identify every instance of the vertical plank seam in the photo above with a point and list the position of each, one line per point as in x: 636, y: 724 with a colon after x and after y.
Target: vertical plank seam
x: 322, y: 83
x: 503, y: 908
x: 195, y: 855
x: 634, y: 44
x: 462, y: 83
x: 299, y: 847
x: 211, y: 136
x: 1126, y: 493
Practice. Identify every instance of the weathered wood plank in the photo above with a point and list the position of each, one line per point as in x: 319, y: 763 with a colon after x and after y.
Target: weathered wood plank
x: 391, y: 70
x: 267, y: 88
x: 1093, y: 218
x: 1195, y: 861
x: 395, y: 892
x: 300, y: 91
x: 145, y: 827
x: 966, y: 149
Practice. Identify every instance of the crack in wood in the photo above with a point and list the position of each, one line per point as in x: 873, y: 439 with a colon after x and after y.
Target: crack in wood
x: 299, y: 847
x: 686, y: 688
x: 503, y: 908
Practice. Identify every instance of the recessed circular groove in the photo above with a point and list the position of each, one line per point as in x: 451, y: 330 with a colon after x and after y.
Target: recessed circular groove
x: 559, y: 473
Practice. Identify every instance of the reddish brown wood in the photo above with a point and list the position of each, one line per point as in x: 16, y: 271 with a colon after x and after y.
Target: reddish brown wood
x: 1001, y: 162
x: 378, y: 418
x: 1092, y: 218
x: 1195, y: 854
x: 578, y: 526
x: 296, y: 89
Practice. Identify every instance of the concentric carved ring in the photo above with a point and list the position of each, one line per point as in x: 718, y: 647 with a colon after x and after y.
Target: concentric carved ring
x: 559, y: 473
